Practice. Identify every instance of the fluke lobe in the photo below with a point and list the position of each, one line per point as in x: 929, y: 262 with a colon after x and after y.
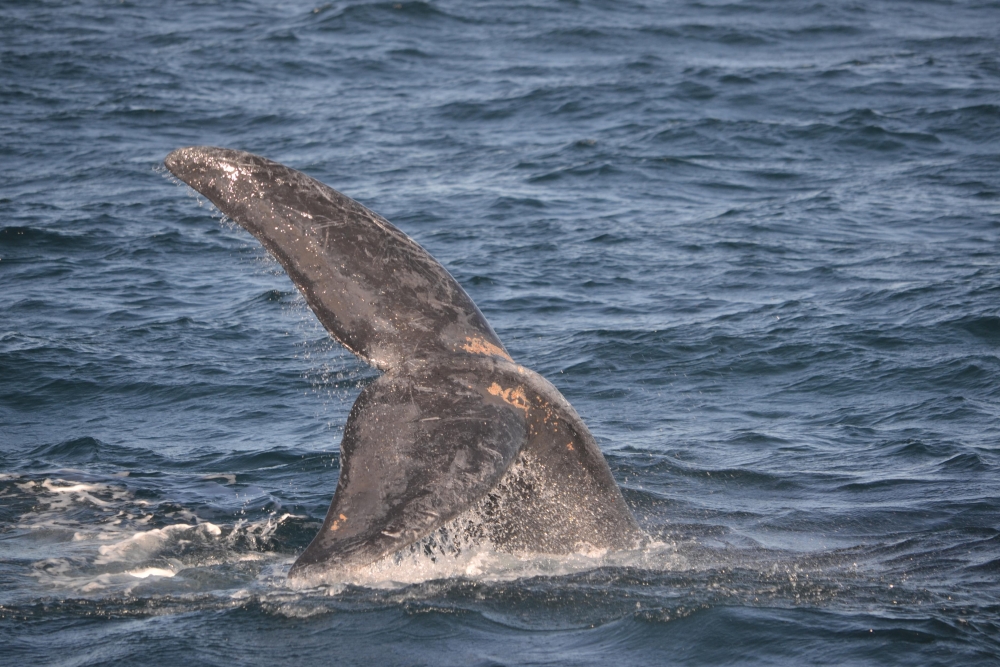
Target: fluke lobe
x: 453, y: 425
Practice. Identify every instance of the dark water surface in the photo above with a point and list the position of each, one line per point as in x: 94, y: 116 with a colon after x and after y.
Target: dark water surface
x: 756, y: 244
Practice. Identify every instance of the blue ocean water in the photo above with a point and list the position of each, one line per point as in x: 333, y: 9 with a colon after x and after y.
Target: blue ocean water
x: 754, y: 243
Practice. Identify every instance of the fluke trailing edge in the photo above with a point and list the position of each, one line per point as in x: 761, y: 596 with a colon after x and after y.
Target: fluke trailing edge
x: 453, y: 425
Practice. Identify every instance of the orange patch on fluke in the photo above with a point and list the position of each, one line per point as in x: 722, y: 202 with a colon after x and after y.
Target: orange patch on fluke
x: 480, y: 346
x: 336, y: 523
x: 569, y: 446
x: 513, y: 396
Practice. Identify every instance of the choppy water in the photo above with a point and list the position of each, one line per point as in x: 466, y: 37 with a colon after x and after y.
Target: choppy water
x: 755, y: 244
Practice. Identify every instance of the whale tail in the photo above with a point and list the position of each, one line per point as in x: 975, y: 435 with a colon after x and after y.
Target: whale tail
x: 440, y: 431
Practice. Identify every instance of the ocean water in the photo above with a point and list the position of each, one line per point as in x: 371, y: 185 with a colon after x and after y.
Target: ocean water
x: 756, y: 244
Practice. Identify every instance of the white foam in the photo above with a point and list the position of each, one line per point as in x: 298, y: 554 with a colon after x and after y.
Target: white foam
x: 151, y: 572
x: 82, y: 492
x: 483, y: 563
x: 229, y: 479
x: 100, y: 541
x: 96, y: 539
x: 147, y: 544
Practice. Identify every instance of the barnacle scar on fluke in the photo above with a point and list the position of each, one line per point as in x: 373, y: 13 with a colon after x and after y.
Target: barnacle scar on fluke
x: 453, y: 424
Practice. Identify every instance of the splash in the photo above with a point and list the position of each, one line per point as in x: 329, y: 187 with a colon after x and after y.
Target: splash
x: 467, y: 546
x: 99, y: 538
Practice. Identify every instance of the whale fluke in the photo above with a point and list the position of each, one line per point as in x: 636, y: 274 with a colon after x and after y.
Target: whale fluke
x: 378, y: 292
x: 454, y: 424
